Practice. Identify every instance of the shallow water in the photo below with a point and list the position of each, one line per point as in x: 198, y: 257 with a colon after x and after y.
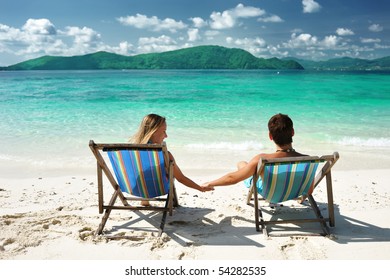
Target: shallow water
x: 48, y: 117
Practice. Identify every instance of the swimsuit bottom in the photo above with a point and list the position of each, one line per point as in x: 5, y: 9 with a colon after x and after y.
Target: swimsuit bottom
x: 259, y: 183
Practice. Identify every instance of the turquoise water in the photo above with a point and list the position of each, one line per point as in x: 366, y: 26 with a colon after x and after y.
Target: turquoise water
x: 48, y: 117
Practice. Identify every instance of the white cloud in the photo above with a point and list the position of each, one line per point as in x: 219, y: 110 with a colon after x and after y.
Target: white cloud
x: 378, y: 46
x: 125, y: 48
x: 297, y: 30
x: 312, y: 54
x: 240, y: 11
x: 330, y: 42
x: 50, y: 46
x: 36, y: 37
x: 310, y: 6
x: 39, y: 27
x: 163, y: 39
x: 312, y: 47
x: 152, y: 23
x: 193, y: 34
x: 83, y: 40
x: 375, y: 28
x: 171, y: 25
x: 9, y: 34
x: 249, y: 42
x: 228, y: 19
x: 156, y: 44
x: 344, y: 32
x: 354, y: 51
x: 139, y: 21
x: 210, y: 34
x: 310, y: 42
x: 198, y: 22
x: 39, y: 37
x: 84, y: 36
x: 369, y: 40
x: 255, y: 46
x: 275, y: 51
x: 273, y: 18
x: 222, y: 21
x: 302, y: 40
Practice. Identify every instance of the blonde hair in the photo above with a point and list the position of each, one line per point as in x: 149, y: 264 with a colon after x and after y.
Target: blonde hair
x: 150, y: 123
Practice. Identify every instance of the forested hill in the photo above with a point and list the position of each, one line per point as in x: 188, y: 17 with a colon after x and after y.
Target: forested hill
x: 202, y: 57
x: 346, y: 64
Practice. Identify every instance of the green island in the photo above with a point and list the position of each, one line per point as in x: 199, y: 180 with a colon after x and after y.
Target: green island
x: 201, y: 57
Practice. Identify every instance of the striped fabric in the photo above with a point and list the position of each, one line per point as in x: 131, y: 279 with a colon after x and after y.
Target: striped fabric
x: 140, y: 172
x: 285, y: 181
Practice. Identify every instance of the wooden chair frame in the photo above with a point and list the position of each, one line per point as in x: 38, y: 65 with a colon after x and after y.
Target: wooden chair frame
x: 171, y: 200
x: 329, y: 160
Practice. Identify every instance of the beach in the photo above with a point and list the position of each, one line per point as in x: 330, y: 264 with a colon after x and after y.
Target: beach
x: 54, y: 218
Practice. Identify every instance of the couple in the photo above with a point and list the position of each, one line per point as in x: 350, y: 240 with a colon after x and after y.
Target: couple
x: 153, y: 129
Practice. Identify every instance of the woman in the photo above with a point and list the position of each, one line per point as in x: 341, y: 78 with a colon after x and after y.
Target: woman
x: 153, y: 130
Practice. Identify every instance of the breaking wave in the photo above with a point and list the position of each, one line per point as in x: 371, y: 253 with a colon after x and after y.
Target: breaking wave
x: 370, y: 142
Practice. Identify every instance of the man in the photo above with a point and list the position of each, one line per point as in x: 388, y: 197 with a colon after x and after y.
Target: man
x: 281, y: 131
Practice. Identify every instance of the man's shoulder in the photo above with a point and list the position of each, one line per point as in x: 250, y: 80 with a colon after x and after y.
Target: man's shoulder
x: 279, y: 155
x: 272, y: 155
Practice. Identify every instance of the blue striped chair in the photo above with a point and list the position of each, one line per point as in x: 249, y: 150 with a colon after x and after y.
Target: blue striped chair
x: 142, y: 172
x: 283, y: 179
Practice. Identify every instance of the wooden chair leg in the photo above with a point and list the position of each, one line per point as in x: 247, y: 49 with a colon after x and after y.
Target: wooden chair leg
x: 175, y: 198
x: 256, y: 206
x: 169, y: 204
x: 107, y: 213
x: 162, y: 225
x: 100, y: 188
x: 330, y: 199
x: 103, y: 222
x: 320, y: 218
x: 249, y: 196
x: 262, y: 223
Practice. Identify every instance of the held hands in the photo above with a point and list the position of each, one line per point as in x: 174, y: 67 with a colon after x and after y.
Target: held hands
x: 206, y: 187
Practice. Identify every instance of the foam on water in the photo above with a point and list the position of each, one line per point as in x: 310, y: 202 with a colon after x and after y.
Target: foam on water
x: 370, y: 142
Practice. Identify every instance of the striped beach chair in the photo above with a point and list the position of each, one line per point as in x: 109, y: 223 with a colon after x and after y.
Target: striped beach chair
x: 142, y: 173
x: 282, y: 179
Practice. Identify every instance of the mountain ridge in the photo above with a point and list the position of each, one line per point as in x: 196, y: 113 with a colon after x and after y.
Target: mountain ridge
x: 345, y: 64
x: 201, y: 57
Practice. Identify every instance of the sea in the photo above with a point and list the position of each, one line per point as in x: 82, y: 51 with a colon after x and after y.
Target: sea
x: 47, y: 118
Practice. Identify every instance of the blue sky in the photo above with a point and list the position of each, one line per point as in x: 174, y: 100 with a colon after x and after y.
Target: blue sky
x: 310, y: 29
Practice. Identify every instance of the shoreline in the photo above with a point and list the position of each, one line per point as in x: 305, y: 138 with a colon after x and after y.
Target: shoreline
x: 193, y: 161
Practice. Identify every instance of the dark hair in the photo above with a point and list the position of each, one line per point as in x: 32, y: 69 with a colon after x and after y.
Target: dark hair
x: 281, y: 128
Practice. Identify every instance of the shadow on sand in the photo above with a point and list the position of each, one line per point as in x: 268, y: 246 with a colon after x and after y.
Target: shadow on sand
x: 190, y: 226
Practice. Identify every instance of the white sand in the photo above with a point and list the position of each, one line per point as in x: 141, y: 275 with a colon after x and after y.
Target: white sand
x: 54, y: 218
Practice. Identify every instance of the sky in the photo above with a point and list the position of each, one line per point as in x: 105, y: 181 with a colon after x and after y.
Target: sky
x: 305, y: 29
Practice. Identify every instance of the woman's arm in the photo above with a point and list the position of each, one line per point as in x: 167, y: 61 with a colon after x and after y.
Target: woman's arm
x: 178, y: 174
